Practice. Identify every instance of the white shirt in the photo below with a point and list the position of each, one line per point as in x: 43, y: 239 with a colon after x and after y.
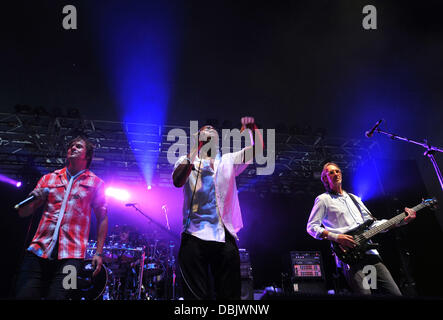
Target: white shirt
x: 338, y: 214
x: 215, y: 204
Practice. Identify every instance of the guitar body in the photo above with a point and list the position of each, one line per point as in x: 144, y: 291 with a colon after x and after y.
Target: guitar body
x: 354, y: 255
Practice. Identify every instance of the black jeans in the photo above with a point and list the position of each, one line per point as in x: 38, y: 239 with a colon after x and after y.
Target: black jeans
x: 198, y: 259
x: 385, y: 284
x: 40, y: 278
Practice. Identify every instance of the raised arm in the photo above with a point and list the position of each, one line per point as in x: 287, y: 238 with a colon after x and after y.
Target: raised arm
x: 248, y: 123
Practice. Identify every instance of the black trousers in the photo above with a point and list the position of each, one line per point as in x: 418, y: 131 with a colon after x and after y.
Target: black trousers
x: 40, y: 278
x: 202, y: 261
x: 385, y: 284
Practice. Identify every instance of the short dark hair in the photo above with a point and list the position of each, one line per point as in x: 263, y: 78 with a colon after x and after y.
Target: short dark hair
x: 89, y: 148
x: 324, y: 172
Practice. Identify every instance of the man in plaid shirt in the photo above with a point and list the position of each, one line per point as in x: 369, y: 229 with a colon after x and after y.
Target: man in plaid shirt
x: 63, y: 231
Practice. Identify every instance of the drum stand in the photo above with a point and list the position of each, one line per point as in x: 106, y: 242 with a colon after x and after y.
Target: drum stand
x: 171, y: 259
x: 171, y: 264
x: 140, y: 278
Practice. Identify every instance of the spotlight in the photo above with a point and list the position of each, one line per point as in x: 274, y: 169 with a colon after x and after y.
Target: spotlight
x: 149, y: 187
x: 119, y: 194
x: 10, y: 181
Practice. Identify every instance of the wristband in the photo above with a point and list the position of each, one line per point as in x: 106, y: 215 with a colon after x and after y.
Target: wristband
x: 332, y: 236
x: 99, y: 254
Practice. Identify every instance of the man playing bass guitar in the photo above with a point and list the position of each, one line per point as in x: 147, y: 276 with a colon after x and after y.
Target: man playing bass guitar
x: 334, y: 214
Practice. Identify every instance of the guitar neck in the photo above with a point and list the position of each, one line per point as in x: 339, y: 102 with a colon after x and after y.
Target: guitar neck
x: 391, y: 222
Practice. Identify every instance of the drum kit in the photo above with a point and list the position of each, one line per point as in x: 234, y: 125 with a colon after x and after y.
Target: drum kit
x: 136, y: 266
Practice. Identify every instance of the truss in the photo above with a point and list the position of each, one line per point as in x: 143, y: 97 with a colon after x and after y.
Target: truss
x: 30, y: 142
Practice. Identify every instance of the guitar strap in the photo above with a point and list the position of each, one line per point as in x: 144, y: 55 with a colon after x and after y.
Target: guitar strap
x: 359, y: 207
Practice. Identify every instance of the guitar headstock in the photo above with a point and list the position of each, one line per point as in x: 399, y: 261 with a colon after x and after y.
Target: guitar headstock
x: 431, y: 203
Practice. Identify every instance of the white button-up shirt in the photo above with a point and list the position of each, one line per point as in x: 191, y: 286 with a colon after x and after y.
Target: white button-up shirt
x: 337, y: 214
x: 215, y: 204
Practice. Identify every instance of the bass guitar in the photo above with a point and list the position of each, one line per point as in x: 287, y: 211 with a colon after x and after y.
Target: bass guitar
x: 363, y: 234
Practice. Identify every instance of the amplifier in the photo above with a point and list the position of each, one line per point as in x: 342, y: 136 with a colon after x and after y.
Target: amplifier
x: 245, y: 264
x: 307, y: 272
x: 247, y: 282
x: 307, y: 265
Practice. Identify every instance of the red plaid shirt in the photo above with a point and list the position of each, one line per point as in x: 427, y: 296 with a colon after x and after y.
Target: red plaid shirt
x: 87, y: 192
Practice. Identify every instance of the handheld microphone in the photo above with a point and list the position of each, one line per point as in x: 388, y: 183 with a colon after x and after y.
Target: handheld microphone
x: 29, y: 200
x: 369, y: 133
x: 130, y: 204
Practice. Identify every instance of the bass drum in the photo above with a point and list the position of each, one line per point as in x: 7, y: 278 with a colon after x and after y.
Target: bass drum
x: 89, y: 287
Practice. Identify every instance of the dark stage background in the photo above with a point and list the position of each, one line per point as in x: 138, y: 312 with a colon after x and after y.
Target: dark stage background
x: 275, y: 225
x: 308, y: 64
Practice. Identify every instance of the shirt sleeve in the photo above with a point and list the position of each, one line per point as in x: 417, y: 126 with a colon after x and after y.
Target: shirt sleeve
x: 99, y: 200
x: 41, y: 183
x: 239, y: 158
x: 318, y: 212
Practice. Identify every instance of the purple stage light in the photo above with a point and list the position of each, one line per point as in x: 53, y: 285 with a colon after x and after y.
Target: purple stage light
x: 116, y: 193
x: 10, y: 181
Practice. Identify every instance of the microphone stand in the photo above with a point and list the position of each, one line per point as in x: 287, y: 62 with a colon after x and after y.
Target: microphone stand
x: 430, y: 151
x: 155, y: 222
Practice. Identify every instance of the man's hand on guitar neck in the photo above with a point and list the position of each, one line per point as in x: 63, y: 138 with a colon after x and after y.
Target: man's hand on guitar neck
x: 411, y: 215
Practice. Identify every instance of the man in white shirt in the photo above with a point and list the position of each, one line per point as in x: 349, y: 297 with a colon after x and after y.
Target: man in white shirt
x: 335, y: 213
x: 211, y: 215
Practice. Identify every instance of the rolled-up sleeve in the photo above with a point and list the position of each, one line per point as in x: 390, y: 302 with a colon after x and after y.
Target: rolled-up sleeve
x: 314, y: 226
x: 99, y: 199
x: 239, y: 161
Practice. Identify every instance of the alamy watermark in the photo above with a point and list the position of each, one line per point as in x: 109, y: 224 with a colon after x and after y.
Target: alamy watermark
x: 370, y: 278
x: 70, y: 281
x: 369, y: 22
x: 266, y: 163
x: 69, y: 22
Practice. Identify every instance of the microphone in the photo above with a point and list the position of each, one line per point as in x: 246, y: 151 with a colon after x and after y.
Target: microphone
x: 130, y: 204
x: 369, y: 134
x: 29, y: 200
